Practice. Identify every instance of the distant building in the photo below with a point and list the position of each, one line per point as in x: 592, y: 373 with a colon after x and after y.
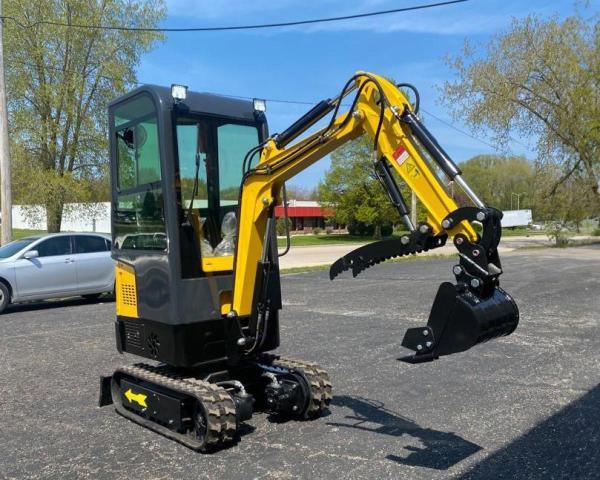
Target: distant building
x: 305, y: 214
x: 77, y: 217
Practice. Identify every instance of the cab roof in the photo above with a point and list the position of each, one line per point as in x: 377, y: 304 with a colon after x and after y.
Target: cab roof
x: 196, y: 102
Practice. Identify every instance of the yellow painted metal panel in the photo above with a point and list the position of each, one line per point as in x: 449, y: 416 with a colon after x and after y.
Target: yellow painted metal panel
x: 217, y: 264
x: 126, y: 291
x: 225, y: 299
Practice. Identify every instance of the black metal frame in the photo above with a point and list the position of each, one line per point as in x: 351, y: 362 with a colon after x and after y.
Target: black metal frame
x: 474, y: 310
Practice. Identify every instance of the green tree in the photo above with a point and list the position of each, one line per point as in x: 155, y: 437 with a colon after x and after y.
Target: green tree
x: 542, y: 80
x: 567, y: 203
x: 60, y: 79
x: 496, y: 178
x: 352, y: 189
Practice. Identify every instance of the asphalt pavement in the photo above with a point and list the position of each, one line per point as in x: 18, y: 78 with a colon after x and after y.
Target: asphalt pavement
x: 523, y: 407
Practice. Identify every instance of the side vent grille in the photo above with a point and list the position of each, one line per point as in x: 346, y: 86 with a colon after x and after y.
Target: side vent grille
x: 153, y: 344
x: 129, y: 294
x: 133, y: 334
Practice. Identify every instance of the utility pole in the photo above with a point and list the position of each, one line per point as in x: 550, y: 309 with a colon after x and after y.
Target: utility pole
x: 518, y: 195
x: 5, y: 182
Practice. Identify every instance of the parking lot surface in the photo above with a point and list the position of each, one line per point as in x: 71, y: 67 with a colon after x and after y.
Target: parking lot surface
x: 526, y: 406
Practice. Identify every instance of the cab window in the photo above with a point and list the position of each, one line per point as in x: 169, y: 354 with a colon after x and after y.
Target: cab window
x: 234, y: 142
x: 139, y: 221
x: 210, y: 154
x: 191, y: 146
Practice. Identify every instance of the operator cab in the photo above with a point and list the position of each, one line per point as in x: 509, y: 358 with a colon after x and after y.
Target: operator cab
x: 176, y: 169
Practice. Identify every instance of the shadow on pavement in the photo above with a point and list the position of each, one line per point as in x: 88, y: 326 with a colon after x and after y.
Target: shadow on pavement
x: 50, y: 304
x: 566, y: 445
x: 440, y: 450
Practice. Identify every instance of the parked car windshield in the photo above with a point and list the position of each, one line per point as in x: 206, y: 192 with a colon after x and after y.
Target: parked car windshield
x: 11, y: 248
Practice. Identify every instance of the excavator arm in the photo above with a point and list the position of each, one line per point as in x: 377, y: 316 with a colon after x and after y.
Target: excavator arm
x: 471, y: 311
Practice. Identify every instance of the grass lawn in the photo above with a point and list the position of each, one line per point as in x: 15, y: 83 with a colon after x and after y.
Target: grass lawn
x: 20, y: 233
x: 409, y: 258
x: 337, y: 239
x: 308, y: 240
x: 521, y: 232
x: 324, y: 239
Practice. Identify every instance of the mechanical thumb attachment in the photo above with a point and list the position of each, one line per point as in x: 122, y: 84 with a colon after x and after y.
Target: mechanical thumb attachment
x: 474, y: 310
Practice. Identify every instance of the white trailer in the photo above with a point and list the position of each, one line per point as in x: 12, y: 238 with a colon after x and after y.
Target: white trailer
x: 517, y: 218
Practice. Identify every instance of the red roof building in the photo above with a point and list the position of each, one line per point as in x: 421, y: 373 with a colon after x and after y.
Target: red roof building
x: 305, y: 214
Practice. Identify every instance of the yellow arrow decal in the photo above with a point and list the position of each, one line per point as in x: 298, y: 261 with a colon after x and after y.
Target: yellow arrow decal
x: 138, y: 398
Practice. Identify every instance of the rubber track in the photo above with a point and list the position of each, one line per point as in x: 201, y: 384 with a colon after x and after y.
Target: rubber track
x: 317, y: 378
x: 226, y: 404
x: 218, y: 405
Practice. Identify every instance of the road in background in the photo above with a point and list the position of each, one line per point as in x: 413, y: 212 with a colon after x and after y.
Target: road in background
x: 327, y: 254
x: 523, y: 407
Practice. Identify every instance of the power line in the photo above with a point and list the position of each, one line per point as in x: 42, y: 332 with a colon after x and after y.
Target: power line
x: 468, y: 134
x: 299, y: 102
x: 448, y: 124
x: 234, y: 27
x: 292, y: 102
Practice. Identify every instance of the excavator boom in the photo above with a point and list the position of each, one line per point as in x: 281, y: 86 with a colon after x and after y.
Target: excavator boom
x: 403, y: 145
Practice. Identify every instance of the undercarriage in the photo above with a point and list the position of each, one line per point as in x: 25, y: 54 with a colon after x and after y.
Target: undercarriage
x: 203, y: 409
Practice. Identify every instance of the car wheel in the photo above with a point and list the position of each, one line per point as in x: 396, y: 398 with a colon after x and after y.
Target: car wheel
x: 4, y: 296
x: 92, y: 296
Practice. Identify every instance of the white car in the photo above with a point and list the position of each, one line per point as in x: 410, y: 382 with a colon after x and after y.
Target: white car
x: 54, y: 266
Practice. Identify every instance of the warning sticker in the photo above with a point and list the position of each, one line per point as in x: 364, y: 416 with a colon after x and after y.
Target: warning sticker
x: 400, y: 155
x: 412, y: 170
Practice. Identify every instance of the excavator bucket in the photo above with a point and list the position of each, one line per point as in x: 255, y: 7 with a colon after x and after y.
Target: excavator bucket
x: 459, y: 320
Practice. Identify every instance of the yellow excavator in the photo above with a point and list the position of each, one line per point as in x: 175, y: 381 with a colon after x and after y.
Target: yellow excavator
x: 195, y: 181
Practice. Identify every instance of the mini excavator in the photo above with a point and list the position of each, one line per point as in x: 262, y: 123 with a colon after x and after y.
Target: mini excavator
x: 195, y: 181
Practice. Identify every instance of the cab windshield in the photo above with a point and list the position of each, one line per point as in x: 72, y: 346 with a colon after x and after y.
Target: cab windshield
x: 209, y: 156
x: 216, y: 150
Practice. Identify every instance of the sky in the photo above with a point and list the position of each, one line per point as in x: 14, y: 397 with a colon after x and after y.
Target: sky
x: 310, y: 63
